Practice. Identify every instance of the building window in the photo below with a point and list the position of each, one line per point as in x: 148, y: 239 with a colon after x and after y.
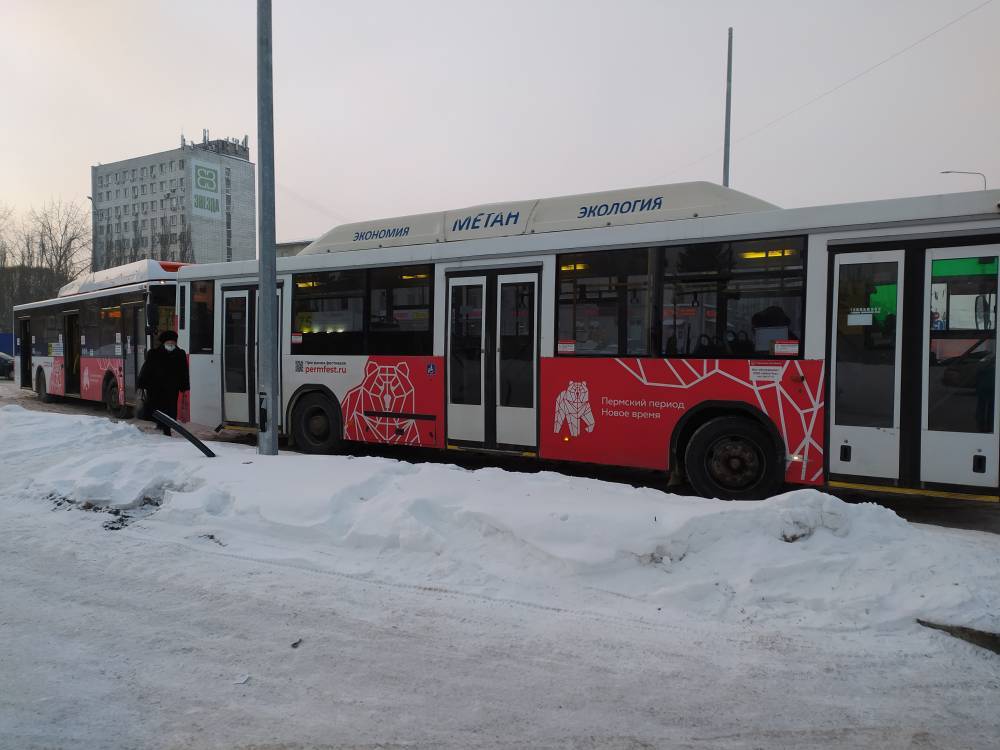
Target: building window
x: 173, y: 220
x: 143, y: 189
x: 182, y: 182
x: 171, y: 166
x: 181, y: 164
x: 144, y: 172
x: 183, y: 220
x: 173, y: 182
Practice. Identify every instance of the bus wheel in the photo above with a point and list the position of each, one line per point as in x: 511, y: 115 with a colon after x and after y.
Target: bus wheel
x: 40, y: 390
x: 113, y: 401
x: 316, y: 424
x: 733, y: 458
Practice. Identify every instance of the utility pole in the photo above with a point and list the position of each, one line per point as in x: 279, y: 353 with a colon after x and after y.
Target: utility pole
x: 729, y: 110
x: 267, y: 313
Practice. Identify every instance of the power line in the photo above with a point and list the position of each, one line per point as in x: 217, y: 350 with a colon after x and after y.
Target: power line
x: 839, y: 86
x: 309, y: 203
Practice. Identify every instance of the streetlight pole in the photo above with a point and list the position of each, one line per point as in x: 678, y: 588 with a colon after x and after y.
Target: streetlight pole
x: 729, y: 110
x: 267, y: 318
x: 959, y: 171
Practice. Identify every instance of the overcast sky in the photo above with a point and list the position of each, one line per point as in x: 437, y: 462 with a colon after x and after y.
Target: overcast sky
x: 390, y: 108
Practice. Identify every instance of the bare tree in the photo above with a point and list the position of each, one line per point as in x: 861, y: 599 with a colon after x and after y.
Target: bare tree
x: 62, y: 233
x: 39, y: 253
x: 186, y: 252
x: 164, y: 241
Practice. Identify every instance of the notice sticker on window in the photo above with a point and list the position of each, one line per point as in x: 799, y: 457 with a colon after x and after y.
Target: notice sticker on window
x: 296, y: 338
x: 859, y: 319
x: 784, y: 348
x: 567, y: 347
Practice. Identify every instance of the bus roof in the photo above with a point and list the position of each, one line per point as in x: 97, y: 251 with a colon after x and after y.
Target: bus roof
x: 683, y: 200
x: 978, y: 209
x: 130, y: 273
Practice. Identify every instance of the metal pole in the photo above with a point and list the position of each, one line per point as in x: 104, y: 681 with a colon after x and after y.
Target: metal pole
x: 267, y: 313
x: 729, y: 109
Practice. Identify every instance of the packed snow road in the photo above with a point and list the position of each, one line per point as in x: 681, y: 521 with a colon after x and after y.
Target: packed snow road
x: 152, y: 598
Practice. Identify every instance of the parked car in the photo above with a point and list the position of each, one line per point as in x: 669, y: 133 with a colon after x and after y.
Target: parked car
x: 6, y: 366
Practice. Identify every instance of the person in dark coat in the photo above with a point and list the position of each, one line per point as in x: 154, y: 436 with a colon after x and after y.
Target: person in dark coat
x: 164, y: 375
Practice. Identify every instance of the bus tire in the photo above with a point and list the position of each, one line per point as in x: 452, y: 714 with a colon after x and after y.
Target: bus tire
x: 112, y: 399
x: 40, y: 390
x: 316, y: 424
x: 734, y: 458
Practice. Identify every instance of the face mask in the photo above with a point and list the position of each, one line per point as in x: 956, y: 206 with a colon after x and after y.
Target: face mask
x: 170, y: 346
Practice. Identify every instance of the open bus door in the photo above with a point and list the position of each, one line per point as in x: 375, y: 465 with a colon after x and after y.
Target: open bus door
x: 133, y: 350
x: 239, y: 355
x: 24, y: 350
x: 71, y: 334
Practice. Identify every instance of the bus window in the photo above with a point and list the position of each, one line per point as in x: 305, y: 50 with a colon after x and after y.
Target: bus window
x: 165, y: 300
x: 110, y: 324
x: 89, y: 328
x: 202, y: 317
x: 400, y: 317
x: 962, y: 333
x: 732, y: 299
x: 39, y: 348
x: 328, y: 312
x: 604, y: 303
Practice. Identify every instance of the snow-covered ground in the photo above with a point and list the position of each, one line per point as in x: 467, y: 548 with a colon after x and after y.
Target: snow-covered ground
x: 441, y: 607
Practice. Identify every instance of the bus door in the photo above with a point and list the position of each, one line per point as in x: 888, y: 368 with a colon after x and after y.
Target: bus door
x: 239, y: 358
x: 24, y: 349
x: 959, y: 420
x: 133, y: 352
x: 71, y: 354
x: 237, y: 365
x: 492, y: 360
x: 866, y: 343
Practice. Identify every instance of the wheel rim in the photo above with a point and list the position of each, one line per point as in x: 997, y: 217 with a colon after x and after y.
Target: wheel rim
x: 316, y: 424
x: 735, y: 463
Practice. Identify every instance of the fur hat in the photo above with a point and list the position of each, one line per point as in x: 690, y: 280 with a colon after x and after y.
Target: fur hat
x: 168, y: 336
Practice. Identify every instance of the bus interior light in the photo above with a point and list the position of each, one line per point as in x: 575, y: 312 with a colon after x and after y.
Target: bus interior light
x: 574, y: 267
x: 411, y: 276
x: 761, y: 254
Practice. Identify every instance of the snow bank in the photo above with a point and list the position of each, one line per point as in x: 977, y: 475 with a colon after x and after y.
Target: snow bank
x: 547, y: 539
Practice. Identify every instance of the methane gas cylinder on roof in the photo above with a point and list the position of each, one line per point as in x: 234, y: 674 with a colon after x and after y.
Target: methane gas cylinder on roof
x: 684, y: 200
x: 130, y: 273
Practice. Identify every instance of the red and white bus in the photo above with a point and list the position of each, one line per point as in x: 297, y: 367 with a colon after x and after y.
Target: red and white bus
x: 91, y: 340
x: 688, y: 328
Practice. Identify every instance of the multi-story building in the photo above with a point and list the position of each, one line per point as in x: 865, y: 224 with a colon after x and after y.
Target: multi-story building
x: 196, y: 203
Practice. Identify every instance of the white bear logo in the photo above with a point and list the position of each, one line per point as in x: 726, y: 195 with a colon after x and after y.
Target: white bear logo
x: 573, y: 407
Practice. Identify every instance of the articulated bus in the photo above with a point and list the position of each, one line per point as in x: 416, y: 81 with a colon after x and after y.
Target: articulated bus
x: 91, y: 340
x: 685, y: 328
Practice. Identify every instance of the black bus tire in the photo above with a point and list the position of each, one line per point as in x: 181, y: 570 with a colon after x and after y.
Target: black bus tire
x: 316, y: 424
x: 40, y: 390
x: 734, y: 458
x: 112, y: 400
